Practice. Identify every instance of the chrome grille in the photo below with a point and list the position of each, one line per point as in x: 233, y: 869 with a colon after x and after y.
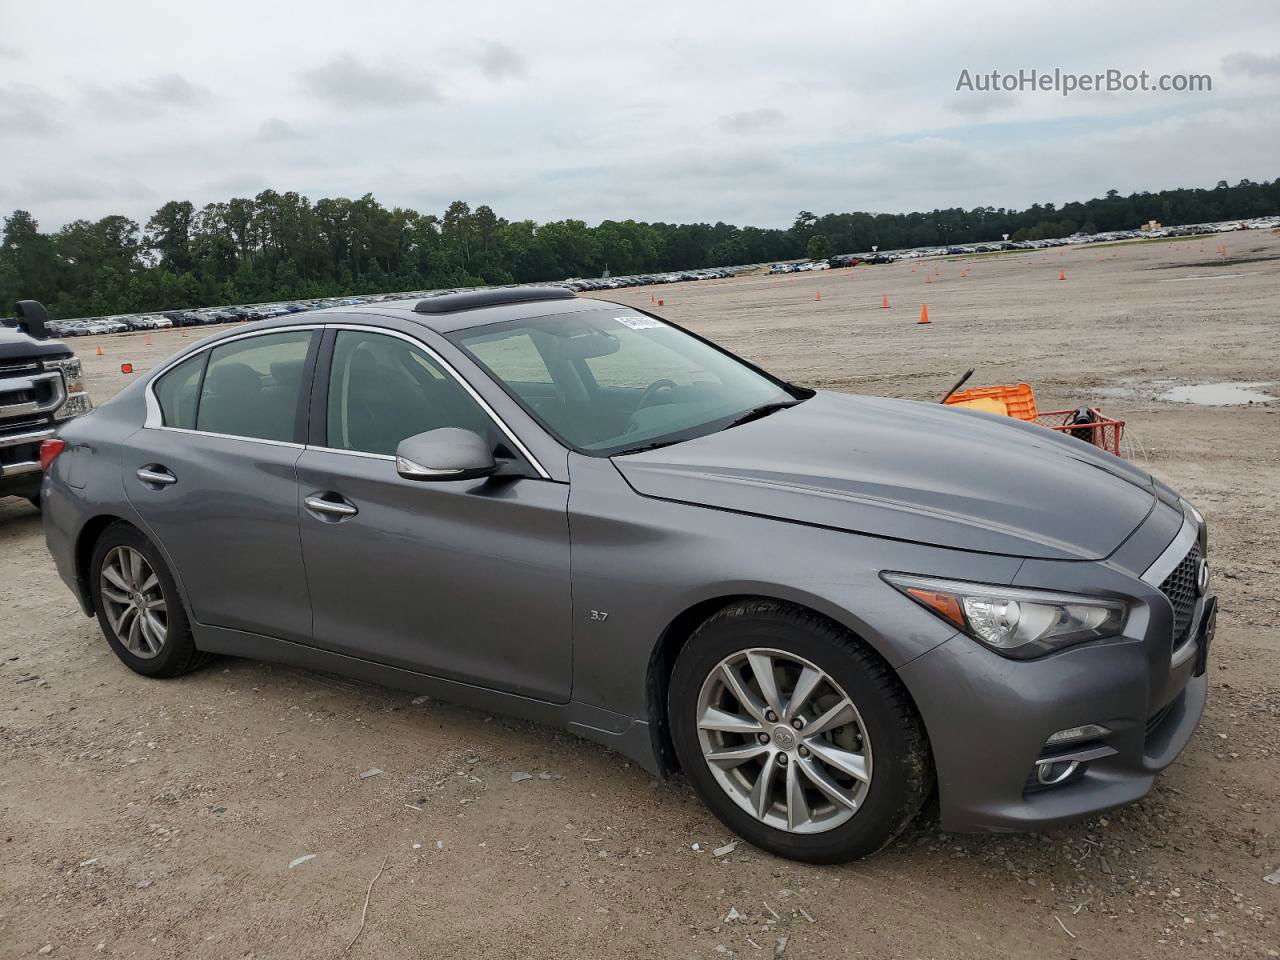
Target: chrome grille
x: 1180, y: 588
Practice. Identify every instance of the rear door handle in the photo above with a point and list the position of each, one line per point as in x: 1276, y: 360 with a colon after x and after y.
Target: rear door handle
x: 156, y: 475
x: 336, y: 509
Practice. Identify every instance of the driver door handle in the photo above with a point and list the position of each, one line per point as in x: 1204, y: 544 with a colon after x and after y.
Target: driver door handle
x: 337, y: 509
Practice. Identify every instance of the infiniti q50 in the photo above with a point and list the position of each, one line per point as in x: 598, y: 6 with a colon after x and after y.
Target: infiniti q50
x: 821, y: 608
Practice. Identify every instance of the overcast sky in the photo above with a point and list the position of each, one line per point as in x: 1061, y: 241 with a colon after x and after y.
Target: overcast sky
x: 740, y: 112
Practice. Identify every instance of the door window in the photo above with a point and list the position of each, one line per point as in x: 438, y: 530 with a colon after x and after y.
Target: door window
x: 252, y: 386
x: 383, y: 389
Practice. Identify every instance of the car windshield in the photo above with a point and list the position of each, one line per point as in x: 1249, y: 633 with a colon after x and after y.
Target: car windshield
x: 615, y: 381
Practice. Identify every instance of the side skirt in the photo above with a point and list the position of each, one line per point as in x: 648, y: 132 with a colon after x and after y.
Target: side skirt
x: 626, y: 735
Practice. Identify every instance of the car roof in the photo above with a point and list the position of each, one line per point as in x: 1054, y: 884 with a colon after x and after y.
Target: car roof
x: 465, y: 319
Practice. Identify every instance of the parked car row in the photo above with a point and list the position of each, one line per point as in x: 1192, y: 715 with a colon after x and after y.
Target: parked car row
x: 1111, y: 236
x: 647, y: 279
x: 98, y: 326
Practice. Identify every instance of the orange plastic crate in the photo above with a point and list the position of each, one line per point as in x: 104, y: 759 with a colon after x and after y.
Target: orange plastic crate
x: 1019, y: 399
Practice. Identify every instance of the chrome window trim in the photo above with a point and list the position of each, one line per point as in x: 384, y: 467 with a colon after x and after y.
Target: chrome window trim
x: 351, y: 453
x: 232, y: 436
x: 155, y: 418
x: 451, y: 371
x: 1164, y: 564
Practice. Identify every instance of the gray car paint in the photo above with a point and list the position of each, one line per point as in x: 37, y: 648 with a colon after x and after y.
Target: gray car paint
x: 654, y: 554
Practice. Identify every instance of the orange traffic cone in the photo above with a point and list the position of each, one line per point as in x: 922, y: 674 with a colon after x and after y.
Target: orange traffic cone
x: 928, y: 278
x: 1062, y: 274
x: 98, y: 352
x: 147, y: 339
x: 924, y: 314
x: 818, y: 295
x: 884, y: 302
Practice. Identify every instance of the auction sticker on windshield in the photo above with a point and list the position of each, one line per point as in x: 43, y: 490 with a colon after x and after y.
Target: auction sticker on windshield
x: 637, y: 322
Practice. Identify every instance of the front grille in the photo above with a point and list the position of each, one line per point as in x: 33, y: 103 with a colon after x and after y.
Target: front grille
x: 1180, y: 588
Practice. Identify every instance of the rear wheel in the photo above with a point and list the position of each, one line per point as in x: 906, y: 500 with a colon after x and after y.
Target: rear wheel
x: 798, y: 736
x: 138, y: 606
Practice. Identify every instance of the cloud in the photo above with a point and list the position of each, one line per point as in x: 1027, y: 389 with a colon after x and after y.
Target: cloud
x: 497, y: 61
x: 980, y: 104
x: 748, y: 121
x: 146, y: 98
x: 276, y: 130
x: 345, y: 82
x: 1252, y: 64
x: 26, y: 111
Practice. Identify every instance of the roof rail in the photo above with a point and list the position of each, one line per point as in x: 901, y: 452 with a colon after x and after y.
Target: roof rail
x: 471, y: 300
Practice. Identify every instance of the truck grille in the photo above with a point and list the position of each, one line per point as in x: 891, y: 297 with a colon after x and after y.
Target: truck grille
x: 1180, y: 588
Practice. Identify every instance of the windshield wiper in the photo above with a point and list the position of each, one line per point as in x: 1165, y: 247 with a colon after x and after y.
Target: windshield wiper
x: 763, y: 411
x: 643, y: 447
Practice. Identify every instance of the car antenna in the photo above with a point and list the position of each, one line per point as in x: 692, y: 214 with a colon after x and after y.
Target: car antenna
x: 957, y: 385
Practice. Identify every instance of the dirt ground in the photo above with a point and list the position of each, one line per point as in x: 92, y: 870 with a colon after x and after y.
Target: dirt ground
x: 160, y: 818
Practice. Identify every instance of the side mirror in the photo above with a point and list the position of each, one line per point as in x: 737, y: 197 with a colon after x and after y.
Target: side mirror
x: 449, y: 453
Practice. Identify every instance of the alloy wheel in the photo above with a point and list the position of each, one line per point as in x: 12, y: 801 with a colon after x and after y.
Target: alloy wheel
x: 134, y: 602
x: 784, y: 741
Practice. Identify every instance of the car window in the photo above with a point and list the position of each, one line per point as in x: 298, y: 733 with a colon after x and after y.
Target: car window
x: 621, y: 381
x: 252, y: 386
x: 176, y: 392
x: 514, y: 358
x: 383, y: 389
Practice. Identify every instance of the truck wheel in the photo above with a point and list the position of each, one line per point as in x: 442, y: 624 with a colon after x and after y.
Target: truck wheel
x: 139, y: 609
x: 797, y: 735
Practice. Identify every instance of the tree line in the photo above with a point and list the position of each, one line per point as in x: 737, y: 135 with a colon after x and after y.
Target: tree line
x: 282, y: 246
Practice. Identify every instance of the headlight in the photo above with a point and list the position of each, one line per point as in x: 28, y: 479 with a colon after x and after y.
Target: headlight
x: 77, y: 401
x: 1013, y: 622
x: 72, y: 374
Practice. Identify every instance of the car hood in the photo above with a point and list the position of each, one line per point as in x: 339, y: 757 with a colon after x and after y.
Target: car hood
x: 911, y: 471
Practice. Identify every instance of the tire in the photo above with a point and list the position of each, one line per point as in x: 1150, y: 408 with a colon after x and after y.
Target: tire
x: 35, y: 502
x: 176, y: 653
x: 881, y: 737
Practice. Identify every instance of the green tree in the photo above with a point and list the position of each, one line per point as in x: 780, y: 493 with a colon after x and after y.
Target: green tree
x: 819, y: 247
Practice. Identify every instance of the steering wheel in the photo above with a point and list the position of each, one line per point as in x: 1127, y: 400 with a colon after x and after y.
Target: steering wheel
x: 652, y: 391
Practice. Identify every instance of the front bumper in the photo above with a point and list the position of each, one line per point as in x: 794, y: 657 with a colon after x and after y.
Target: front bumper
x: 989, y: 717
x: 20, y: 461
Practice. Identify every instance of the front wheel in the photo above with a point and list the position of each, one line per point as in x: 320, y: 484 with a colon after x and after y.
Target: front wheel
x: 797, y: 736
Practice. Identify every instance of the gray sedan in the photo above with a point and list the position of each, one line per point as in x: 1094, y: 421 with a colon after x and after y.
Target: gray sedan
x: 822, y: 608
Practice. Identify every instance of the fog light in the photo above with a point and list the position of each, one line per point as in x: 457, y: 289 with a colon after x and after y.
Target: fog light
x: 1050, y: 773
x: 1086, y: 731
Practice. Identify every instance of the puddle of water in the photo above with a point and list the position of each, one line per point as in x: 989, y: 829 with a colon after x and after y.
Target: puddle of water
x: 1226, y: 394
x: 1218, y: 394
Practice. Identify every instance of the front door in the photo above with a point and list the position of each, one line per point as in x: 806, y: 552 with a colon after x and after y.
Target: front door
x: 467, y: 580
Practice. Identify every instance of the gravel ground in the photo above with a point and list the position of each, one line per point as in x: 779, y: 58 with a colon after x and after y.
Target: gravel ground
x: 170, y: 819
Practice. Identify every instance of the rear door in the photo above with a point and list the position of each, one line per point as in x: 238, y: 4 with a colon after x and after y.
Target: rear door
x: 462, y: 579
x: 212, y: 476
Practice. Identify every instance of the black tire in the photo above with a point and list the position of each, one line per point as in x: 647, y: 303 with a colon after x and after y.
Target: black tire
x: 178, y: 654
x: 902, y: 777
